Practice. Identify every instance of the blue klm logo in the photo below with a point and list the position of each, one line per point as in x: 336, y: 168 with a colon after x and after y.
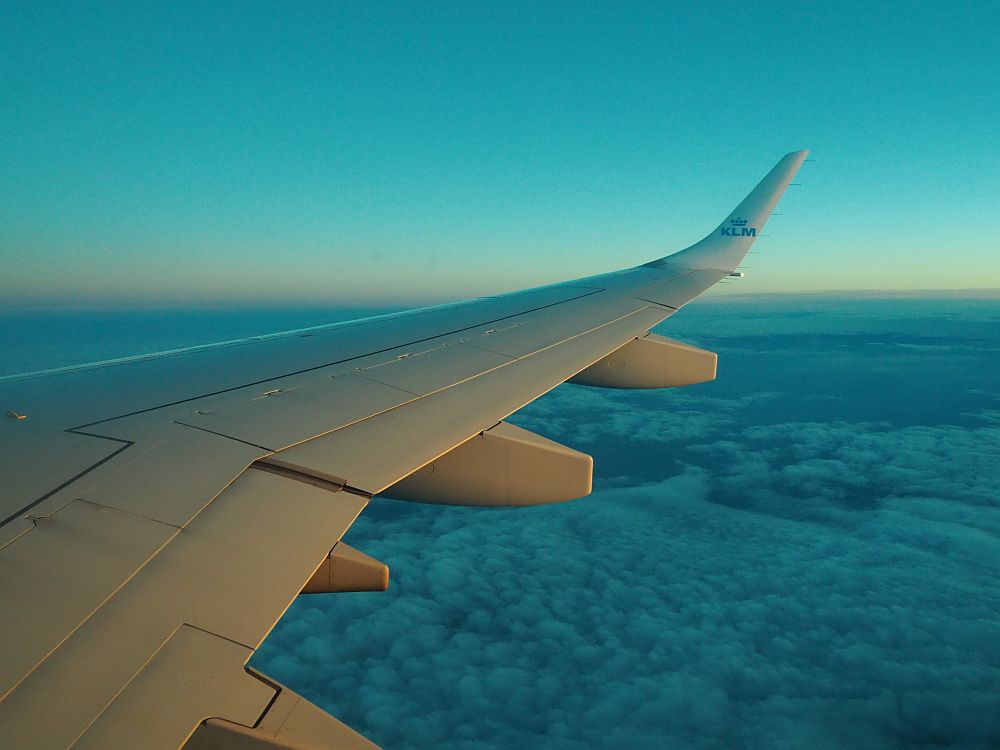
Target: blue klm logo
x: 738, y: 228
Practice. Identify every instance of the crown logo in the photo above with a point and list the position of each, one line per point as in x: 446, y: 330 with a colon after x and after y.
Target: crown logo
x: 740, y: 222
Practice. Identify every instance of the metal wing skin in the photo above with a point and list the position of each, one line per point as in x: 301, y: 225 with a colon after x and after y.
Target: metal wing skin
x: 160, y: 513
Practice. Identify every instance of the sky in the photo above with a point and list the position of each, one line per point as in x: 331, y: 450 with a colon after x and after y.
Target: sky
x: 190, y: 155
x: 802, y: 553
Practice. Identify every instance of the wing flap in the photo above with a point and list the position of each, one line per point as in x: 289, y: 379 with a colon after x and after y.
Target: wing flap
x: 55, y: 576
x: 193, y: 676
x: 231, y: 572
x: 291, y: 723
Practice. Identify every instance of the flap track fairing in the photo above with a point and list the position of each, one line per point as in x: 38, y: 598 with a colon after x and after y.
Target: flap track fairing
x: 502, y: 466
x: 650, y: 362
x: 347, y: 569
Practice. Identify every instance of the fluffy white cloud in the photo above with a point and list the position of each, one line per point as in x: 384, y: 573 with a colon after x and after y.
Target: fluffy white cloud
x: 792, y: 615
x: 781, y: 584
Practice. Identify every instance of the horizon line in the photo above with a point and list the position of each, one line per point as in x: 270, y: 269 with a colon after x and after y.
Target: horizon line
x: 313, y: 303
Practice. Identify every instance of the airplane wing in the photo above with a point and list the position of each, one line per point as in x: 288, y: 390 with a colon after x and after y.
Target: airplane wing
x: 160, y: 513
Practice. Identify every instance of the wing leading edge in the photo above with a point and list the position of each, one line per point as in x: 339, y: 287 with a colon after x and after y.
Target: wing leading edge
x: 205, y: 488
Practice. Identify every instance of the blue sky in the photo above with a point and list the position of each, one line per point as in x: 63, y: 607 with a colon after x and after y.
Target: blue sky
x: 400, y: 152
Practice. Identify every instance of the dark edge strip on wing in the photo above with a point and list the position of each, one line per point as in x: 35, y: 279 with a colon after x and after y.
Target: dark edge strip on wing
x: 310, y: 479
x: 68, y: 482
x: 223, y: 435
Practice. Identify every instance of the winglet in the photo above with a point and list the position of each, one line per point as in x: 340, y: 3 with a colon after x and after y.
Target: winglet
x: 725, y: 247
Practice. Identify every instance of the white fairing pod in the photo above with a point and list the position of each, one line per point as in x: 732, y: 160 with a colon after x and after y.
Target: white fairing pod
x: 650, y: 362
x: 348, y: 569
x: 502, y: 466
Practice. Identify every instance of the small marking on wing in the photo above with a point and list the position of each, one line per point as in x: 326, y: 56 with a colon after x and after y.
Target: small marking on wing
x: 272, y: 392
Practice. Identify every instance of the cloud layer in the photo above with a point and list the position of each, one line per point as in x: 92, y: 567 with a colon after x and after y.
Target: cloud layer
x: 758, y: 567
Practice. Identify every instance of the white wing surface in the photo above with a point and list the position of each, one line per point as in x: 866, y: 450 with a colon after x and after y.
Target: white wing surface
x: 160, y: 513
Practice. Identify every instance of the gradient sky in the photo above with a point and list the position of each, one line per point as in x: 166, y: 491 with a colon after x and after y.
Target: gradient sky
x: 399, y: 152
